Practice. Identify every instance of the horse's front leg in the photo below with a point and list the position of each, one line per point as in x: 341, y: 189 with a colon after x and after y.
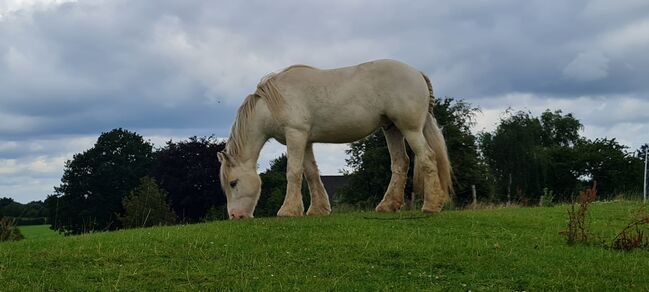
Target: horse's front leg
x: 319, y: 198
x: 295, y: 143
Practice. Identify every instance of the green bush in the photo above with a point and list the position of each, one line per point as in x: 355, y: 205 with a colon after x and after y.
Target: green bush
x: 547, y: 199
x: 146, y: 206
x: 8, y: 230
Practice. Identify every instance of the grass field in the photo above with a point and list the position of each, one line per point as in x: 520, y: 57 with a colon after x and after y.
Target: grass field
x: 499, y: 249
x: 38, y: 232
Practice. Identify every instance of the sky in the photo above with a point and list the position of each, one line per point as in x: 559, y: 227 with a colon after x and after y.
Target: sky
x: 70, y: 70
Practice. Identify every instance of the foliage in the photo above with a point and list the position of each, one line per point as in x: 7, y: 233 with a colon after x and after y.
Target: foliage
x: 273, y: 188
x: 189, y: 172
x: 370, y: 158
x: 527, y: 154
x: 146, y: 206
x: 608, y: 162
x: 95, y: 182
x: 216, y: 213
x: 32, y: 213
x: 23, y: 221
x: 577, y: 229
x: 480, y: 250
x: 8, y: 230
x: 547, y: 199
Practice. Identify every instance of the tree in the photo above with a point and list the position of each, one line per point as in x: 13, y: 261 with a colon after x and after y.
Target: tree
x: 10, y: 208
x: 95, y: 182
x: 189, y: 172
x: 607, y: 162
x: 527, y: 154
x: 512, y: 155
x: 146, y: 206
x: 370, y: 159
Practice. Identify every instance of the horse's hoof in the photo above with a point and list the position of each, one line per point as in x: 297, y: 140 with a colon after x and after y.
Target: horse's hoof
x: 318, y: 211
x: 388, y: 207
x: 286, y: 212
x: 431, y: 209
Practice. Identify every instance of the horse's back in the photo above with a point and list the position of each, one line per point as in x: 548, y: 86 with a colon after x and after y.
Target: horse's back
x: 345, y: 104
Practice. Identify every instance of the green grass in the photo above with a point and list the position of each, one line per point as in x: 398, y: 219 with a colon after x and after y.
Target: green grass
x: 37, y: 232
x: 500, y: 249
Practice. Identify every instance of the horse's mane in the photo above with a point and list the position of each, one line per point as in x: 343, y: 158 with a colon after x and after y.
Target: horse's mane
x: 267, y: 90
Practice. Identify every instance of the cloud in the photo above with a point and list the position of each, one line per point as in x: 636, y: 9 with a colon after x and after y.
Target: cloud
x: 624, y: 118
x: 71, y: 69
x: 587, y: 66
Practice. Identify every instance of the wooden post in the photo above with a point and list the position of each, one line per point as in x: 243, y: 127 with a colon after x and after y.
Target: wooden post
x: 475, y: 198
x: 646, y: 152
x: 509, y: 190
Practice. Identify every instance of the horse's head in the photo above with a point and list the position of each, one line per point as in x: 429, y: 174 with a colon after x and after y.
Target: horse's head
x: 241, y: 185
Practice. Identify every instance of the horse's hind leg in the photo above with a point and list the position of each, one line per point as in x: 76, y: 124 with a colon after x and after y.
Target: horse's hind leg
x: 426, y: 178
x: 319, y: 199
x: 393, y: 198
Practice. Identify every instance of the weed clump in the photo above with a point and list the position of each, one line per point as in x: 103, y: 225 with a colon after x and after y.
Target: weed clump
x: 8, y: 230
x: 577, y: 229
x: 632, y: 236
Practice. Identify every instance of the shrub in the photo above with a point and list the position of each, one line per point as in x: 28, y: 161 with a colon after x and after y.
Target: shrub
x: 146, y: 206
x: 547, y: 199
x: 8, y: 230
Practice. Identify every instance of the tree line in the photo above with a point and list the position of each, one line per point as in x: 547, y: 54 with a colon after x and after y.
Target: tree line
x: 32, y: 213
x: 123, y: 182
x: 525, y: 158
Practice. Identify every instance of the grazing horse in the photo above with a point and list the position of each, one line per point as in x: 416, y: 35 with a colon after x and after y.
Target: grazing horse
x: 302, y: 105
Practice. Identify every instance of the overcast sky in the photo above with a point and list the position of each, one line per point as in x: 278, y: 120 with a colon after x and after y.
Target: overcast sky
x: 70, y: 70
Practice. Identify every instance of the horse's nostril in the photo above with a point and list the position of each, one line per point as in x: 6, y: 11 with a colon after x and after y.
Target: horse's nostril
x: 241, y: 216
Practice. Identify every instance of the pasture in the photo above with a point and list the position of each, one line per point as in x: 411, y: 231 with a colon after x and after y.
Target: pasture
x: 38, y: 232
x: 491, y: 249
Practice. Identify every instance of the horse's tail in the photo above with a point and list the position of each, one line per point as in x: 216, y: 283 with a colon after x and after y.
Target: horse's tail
x: 436, y: 142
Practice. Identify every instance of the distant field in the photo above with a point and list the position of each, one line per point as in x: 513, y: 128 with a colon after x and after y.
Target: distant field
x: 499, y: 249
x: 38, y: 232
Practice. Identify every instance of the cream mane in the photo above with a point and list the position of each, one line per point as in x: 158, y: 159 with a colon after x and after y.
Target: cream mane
x: 276, y: 103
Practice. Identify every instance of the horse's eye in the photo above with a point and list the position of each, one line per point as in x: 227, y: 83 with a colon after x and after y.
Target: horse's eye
x: 233, y: 183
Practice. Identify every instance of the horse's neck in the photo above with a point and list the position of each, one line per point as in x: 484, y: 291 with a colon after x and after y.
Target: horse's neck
x: 253, y: 141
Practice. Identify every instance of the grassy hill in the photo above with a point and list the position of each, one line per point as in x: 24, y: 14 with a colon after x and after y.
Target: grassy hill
x: 500, y: 249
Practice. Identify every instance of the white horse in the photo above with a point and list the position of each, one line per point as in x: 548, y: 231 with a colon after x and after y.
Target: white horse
x: 302, y: 105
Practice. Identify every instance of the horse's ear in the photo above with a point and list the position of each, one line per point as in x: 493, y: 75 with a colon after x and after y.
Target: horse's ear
x: 225, y: 158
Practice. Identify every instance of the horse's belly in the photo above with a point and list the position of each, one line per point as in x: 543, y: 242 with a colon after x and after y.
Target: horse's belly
x: 339, y: 131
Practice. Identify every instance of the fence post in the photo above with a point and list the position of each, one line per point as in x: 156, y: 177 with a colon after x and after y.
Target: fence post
x: 644, y: 198
x: 475, y: 198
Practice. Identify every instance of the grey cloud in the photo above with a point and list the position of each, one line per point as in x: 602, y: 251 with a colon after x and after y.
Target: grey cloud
x: 80, y: 68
